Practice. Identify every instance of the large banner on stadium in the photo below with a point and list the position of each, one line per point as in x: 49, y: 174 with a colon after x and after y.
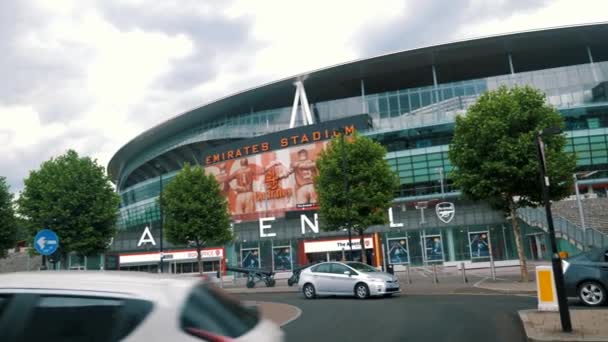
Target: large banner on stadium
x: 278, y: 178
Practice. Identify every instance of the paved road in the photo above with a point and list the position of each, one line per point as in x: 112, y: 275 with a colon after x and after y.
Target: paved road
x: 405, y: 318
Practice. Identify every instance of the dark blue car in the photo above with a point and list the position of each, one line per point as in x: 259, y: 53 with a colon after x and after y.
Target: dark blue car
x: 586, y: 276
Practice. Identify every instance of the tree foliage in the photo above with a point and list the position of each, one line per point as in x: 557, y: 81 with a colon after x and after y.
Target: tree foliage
x: 371, y: 185
x: 8, y: 228
x: 72, y: 196
x: 195, y: 211
x: 496, y: 157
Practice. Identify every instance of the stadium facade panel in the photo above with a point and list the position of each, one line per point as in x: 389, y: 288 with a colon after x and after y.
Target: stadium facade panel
x: 263, y: 155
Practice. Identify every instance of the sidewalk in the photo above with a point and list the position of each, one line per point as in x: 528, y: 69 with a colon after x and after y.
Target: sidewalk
x: 587, y: 325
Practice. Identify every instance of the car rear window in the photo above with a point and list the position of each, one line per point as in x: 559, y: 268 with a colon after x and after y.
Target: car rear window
x: 210, y: 312
x: 323, y: 268
x: 76, y: 318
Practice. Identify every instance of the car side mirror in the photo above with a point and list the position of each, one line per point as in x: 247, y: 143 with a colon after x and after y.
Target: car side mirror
x: 347, y: 273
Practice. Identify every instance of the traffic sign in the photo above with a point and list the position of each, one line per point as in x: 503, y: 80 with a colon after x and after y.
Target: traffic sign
x: 46, y: 242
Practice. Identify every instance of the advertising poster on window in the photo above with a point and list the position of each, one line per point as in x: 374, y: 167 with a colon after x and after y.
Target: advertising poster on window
x: 433, y: 248
x: 282, y: 258
x: 270, y: 183
x: 478, y: 242
x: 398, y: 251
x: 250, y: 258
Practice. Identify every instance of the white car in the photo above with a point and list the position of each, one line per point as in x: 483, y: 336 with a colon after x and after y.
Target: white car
x: 123, y: 306
x: 346, y: 279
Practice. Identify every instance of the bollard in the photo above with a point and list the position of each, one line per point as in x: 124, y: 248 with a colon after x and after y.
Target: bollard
x: 464, y: 273
x: 409, y: 279
x: 435, y: 279
x: 492, y: 269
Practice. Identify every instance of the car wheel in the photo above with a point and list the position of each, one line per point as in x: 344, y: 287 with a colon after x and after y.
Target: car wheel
x: 592, y: 293
x: 361, y: 291
x: 309, y: 291
x: 289, y: 282
x: 270, y: 282
x: 250, y: 284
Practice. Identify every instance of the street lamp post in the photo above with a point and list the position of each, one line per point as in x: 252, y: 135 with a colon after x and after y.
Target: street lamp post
x: 564, y: 313
x: 160, y: 207
x: 346, y: 190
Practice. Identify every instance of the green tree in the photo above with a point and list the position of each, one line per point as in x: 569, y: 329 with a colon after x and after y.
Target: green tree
x: 496, y: 158
x: 355, y: 185
x: 195, y: 210
x: 73, y: 196
x: 8, y: 229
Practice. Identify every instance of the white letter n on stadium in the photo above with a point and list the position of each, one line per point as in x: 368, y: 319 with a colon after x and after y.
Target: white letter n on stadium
x: 304, y: 221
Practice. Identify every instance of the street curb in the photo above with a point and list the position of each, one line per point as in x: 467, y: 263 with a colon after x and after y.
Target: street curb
x: 504, y: 291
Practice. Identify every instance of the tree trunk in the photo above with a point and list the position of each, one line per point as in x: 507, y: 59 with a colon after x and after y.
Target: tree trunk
x: 199, y: 259
x: 523, y: 267
x: 363, y: 254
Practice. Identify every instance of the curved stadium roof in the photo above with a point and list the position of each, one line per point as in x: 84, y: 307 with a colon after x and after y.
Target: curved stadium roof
x: 456, y: 61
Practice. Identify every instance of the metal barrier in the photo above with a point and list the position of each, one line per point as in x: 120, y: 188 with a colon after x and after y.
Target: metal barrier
x: 582, y: 239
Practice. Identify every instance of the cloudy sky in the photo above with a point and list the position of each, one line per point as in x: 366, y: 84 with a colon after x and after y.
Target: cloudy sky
x: 91, y: 75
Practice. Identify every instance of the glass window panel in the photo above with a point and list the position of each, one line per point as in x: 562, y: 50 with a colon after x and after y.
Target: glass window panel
x: 415, y: 101
x: 434, y: 176
x: 435, y: 163
x: 403, y: 174
x: 404, y: 167
x: 383, y: 105
x: 598, y: 146
x: 459, y: 91
x: 580, y: 140
x: 372, y: 106
x: 597, y: 138
x: 448, y: 93
x: 583, y: 162
x: 422, y: 179
x: 584, y: 147
x: 404, y: 160
x: 404, y: 102
x: 434, y: 156
x: 600, y: 160
x: 419, y: 158
x: 426, y: 98
x: 583, y: 154
x: 418, y: 172
x: 600, y: 153
x: 393, y: 102
x: 408, y: 180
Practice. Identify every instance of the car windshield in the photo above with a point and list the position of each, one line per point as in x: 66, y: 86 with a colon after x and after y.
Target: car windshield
x: 362, y: 267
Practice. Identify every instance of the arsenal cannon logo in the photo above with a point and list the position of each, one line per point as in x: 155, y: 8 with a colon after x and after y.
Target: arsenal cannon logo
x: 445, y: 211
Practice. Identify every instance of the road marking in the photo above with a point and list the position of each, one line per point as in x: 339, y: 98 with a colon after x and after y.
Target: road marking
x: 298, y: 314
x: 479, y: 282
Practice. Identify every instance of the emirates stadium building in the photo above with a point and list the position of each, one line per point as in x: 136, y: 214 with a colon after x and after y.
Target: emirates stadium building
x: 261, y: 144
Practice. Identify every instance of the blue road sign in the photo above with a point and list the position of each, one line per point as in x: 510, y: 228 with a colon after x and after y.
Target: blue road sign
x: 46, y: 242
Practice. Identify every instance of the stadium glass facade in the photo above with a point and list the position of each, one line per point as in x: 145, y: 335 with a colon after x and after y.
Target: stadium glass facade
x: 412, y: 116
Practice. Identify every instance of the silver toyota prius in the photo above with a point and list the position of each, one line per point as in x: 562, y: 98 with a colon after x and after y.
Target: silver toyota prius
x: 346, y: 279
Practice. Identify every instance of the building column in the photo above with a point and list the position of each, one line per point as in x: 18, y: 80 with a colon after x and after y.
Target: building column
x: 592, y: 64
x: 511, y: 69
x: 363, y: 103
x: 450, y: 239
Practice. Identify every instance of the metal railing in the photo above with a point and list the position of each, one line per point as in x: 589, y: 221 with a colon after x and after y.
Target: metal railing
x: 582, y: 239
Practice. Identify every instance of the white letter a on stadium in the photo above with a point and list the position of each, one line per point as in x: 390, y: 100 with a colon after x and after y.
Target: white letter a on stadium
x: 146, y: 237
